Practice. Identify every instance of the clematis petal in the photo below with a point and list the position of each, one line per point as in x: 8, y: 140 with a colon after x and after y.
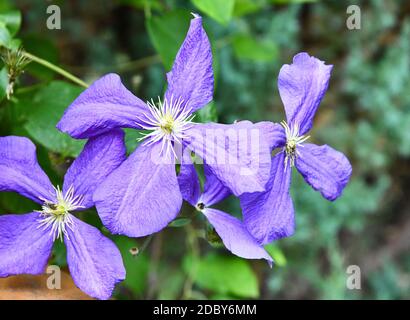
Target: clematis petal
x: 105, y: 105
x: 238, y: 154
x: 94, y: 261
x: 270, y: 215
x: 214, y: 190
x: 141, y: 196
x: 100, y: 156
x: 324, y: 168
x: 302, y: 86
x: 20, y: 171
x: 235, y: 236
x: 189, y: 182
x: 24, y: 247
x: 191, y: 78
x: 273, y: 133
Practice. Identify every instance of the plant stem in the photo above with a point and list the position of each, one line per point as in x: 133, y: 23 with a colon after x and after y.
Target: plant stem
x: 57, y: 69
x: 193, y: 246
x: 145, y: 244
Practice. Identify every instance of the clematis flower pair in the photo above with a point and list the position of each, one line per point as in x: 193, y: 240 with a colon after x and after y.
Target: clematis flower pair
x: 269, y: 215
x: 142, y: 196
x: 26, y: 240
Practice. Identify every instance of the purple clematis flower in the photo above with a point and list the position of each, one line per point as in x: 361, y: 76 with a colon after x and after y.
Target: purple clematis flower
x: 142, y: 196
x: 26, y: 240
x: 232, y: 231
x: 270, y: 215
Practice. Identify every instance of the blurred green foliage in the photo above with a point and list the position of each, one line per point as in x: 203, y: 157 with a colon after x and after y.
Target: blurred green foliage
x: 225, y: 276
x: 365, y: 114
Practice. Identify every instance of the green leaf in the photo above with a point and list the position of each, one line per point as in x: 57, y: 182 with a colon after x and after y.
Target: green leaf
x: 45, y: 111
x: 222, y: 297
x: 246, y: 47
x: 243, y: 7
x: 180, y: 222
x: 59, y: 256
x: 131, y: 139
x: 219, y: 10
x: 207, y: 113
x: 226, y: 275
x: 5, y: 36
x: 5, y: 5
x: 277, y: 255
x: 4, y: 80
x: 15, y: 203
x: 167, y: 32
x: 12, y: 21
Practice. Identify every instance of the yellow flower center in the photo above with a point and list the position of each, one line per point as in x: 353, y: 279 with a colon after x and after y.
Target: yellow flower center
x: 56, y: 216
x: 292, y: 141
x: 167, y: 124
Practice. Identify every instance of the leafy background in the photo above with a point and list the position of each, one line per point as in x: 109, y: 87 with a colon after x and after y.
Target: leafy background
x: 365, y: 114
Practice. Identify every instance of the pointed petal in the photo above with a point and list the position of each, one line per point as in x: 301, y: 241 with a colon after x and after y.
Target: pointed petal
x: 214, y: 190
x: 140, y: 197
x: 20, y: 171
x: 100, y: 156
x: 24, y: 247
x: 189, y: 182
x: 324, y: 168
x: 270, y: 215
x: 94, y: 261
x: 105, y: 105
x: 238, y: 154
x: 191, y: 77
x: 302, y: 86
x: 235, y: 236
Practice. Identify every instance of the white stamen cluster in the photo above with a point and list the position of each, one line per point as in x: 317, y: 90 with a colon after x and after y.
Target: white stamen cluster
x: 293, y: 140
x: 167, y: 121
x: 56, y: 216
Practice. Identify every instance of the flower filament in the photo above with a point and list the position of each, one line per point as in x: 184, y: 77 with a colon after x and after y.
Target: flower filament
x: 166, y: 121
x: 293, y: 140
x: 56, y: 215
